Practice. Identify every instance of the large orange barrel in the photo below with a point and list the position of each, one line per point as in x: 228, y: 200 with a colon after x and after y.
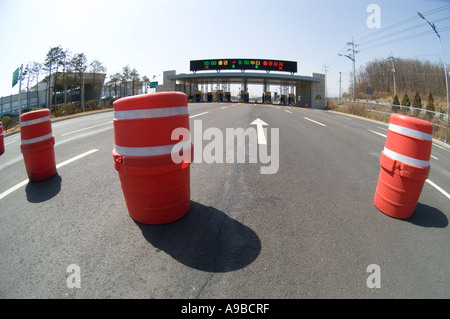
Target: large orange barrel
x: 37, y: 145
x: 2, y: 142
x: 405, y: 165
x: 156, y: 189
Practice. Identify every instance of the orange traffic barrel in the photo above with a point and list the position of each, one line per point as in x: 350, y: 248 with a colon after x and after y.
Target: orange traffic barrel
x: 37, y: 145
x: 156, y: 188
x: 2, y: 142
x: 405, y: 165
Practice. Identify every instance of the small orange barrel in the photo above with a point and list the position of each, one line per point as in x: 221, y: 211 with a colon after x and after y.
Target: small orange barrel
x: 2, y: 142
x: 156, y: 189
x: 37, y: 145
x: 405, y: 165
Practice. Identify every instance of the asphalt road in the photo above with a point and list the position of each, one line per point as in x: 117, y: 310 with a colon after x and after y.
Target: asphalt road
x: 310, y: 230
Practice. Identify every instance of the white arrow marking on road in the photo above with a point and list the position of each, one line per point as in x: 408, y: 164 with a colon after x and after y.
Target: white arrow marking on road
x: 260, y: 130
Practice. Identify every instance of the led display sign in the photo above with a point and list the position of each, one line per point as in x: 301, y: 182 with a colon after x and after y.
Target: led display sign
x: 243, y: 64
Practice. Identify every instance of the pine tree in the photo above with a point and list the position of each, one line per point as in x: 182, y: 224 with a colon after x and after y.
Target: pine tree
x: 430, y: 107
x: 430, y: 103
x: 417, y: 102
x: 406, y: 101
x: 395, y: 104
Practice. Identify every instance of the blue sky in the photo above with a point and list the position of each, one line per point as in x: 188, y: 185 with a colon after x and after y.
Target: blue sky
x: 153, y: 36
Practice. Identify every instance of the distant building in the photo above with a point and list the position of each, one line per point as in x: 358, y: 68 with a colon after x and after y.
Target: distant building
x: 40, y: 97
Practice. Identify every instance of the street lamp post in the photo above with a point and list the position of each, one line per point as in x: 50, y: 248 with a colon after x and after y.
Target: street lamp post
x: 445, y: 68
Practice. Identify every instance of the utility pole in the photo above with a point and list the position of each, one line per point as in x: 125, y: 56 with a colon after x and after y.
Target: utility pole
x: 20, y: 90
x: 354, y: 52
x: 325, y: 68
x: 352, y: 58
x: 340, y: 81
x: 392, y: 59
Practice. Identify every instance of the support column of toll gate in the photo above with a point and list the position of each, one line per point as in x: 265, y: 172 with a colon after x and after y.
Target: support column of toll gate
x: 405, y: 165
x: 37, y: 145
x: 156, y: 188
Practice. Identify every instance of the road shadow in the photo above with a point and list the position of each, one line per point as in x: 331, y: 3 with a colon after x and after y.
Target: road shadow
x: 428, y: 216
x: 43, y: 191
x: 205, y: 239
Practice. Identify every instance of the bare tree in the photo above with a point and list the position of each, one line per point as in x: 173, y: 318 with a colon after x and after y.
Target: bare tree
x: 36, y: 69
x: 51, y: 62
x: 96, y: 67
x: 79, y: 64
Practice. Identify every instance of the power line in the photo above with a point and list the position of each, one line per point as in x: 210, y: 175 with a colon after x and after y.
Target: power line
x: 403, y: 22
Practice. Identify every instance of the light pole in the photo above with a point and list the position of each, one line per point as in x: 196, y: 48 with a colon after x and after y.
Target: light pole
x: 445, y: 68
x: 354, y: 75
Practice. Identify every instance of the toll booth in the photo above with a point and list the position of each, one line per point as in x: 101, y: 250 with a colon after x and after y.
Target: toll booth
x: 283, y: 100
x: 267, y: 97
x: 198, y: 96
x: 220, y: 95
x: 210, y: 97
x: 291, y: 99
x: 227, y: 96
x: 244, y: 97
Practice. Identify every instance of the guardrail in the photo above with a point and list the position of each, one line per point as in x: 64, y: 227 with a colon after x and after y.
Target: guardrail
x: 382, y: 110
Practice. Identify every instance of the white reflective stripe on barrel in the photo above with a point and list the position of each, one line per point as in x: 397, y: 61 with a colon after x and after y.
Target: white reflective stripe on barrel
x: 151, y: 150
x: 35, y: 121
x: 36, y: 139
x: 405, y: 159
x: 150, y: 113
x: 410, y: 132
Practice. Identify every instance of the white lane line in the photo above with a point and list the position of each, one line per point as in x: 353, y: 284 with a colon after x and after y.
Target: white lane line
x: 314, y: 121
x: 9, y: 143
x: 76, y: 158
x: 344, y: 117
x: 86, y: 128
x: 192, y: 116
x: 25, y: 182
x: 434, y: 144
x: 14, y: 188
x: 377, y: 133
x: 223, y: 107
x: 287, y: 111
x: 438, y: 188
x: 434, y: 157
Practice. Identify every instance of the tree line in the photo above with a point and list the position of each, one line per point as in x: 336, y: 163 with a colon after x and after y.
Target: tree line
x: 413, y: 77
x: 62, y: 71
x: 120, y: 82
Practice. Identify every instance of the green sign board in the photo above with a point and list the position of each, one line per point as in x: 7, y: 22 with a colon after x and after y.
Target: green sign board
x: 153, y: 84
x: 15, y: 77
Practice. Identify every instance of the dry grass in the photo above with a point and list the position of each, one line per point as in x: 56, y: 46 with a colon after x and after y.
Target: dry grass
x: 382, y: 113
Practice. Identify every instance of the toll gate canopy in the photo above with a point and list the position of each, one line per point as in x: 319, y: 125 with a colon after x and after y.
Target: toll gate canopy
x: 211, y: 79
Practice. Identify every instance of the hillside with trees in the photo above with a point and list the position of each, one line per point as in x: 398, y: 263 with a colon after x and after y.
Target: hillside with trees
x: 417, y: 83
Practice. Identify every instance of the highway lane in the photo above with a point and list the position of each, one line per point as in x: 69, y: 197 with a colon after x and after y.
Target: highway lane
x: 310, y: 230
